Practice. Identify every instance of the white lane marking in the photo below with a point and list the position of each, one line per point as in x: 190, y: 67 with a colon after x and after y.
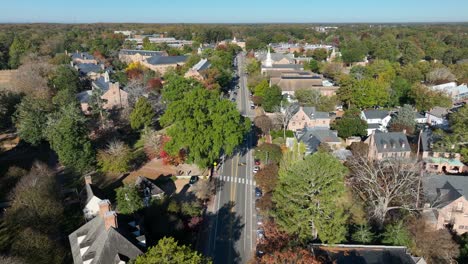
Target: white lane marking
x: 243, y: 180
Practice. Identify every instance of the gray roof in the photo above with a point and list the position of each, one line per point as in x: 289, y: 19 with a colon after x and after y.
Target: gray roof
x: 84, y: 96
x: 376, y: 114
x: 373, y: 126
x: 145, y: 185
x: 89, y: 67
x: 82, y: 55
x: 391, y: 142
x: 90, y: 191
x: 285, y: 66
x: 441, y: 190
x: 359, y: 254
x: 419, y: 115
x: 158, y: 60
x: 276, y: 56
x: 101, y: 84
x: 439, y: 112
x: 143, y: 52
x: 313, y: 137
x: 203, y: 64
x: 313, y: 114
x: 105, y: 246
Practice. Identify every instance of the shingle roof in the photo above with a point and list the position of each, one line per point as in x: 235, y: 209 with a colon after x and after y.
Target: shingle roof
x: 443, y: 189
x: 285, y: 66
x: 84, y: 96
x: 144, y: 183
x: 89, y: 67
x: 313, y: 114
x: 203, y: 64
x: 101, y: 84
x: 276, y: 57
x: 376, y: 114
x: 439, y: 112
x: 158, y: 60
x: 312, y: 137
x: 143, y: 52
x: 90, y: 191
x: 105, y: 246
x: 391, y: 142
x: 360, y: 254
x: 82, y: 55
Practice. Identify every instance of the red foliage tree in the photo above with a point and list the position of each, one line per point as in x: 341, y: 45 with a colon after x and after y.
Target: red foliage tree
x: 154, y: 84
x: 290, y: 256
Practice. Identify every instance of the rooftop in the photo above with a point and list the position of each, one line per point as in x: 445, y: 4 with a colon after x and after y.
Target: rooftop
x: 391, y: 142
x: 375, y: 114
x: 161, y: 60
x: 441, y: 190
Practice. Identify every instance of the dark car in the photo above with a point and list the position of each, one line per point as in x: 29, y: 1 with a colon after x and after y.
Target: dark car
x: 258, y: 192
x: 233, y: 99
x: 193, y: 180
x: 257, y: 162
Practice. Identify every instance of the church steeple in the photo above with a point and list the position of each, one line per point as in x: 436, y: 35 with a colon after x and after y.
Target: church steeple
x: 269, y: 61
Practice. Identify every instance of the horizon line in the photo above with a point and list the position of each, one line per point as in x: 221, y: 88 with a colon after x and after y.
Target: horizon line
x: 242, y: 23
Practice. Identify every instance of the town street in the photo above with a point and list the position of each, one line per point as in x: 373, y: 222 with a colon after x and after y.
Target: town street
x: 232, y: 225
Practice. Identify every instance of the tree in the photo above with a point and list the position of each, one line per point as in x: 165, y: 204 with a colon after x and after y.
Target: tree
x: 353, y: 51
x: 320, y: 54
x: 313, y: 65
x: 204, y: 125
x: 410, y: 53
x: 272, y: 98
x: 8, y: 103
x: 411, y: 74
x: 17, y: 50
x: 204, y: 189
x: 363, y: 235
x: 37, y: 248
x: 11, y: 260
x: 351, y: 124
x: 332, y: 69
x: 268, y: 153
x: 253, y: 66
x: 384, y: 185
x: 30, y: 119
x: 176, y: 86
x: 128, y: 199
x: 65, y: 78
x: 399, y: 94
x: 116, y: 158
x: 284, y: 115
x: 386, y: 50
x: 396, y: 235
x: 293, y: 256
x: 67, y: 135
x: 261, y: 88
x: 267, y: 177
x: 425, y: 99
x: 142, y: 115
x: 306, y: 204
x: 404, y: 119
x: 440, y: 75
x: 436, y: 246
x: 168, y: 251
x: 264, y: 123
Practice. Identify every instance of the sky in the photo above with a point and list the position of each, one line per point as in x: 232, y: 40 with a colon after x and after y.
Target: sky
x: 238, y: 11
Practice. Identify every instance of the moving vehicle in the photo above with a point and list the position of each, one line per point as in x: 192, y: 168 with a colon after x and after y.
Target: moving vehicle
x: 193, y: 180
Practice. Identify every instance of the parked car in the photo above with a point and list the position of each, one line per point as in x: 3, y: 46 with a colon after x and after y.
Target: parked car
x: 257, y: 162
x: 233, y: 99
x: 260, y: 233
x: 259, y: 220
x: 258, y: 192
x: 193, y: 180
x: 235, y: 92
x: 256, y: 169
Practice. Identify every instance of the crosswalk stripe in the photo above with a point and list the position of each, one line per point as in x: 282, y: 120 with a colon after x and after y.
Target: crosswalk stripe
x: 243, y: 180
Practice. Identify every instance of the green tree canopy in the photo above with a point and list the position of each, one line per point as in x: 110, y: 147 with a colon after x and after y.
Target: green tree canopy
x: 272, y: 98
x: 320, y: 54
x: 168, y: 251
x: 306, y: 199
x: 115, y: 158
x: 176, y: 86
x: 17, y: 49
x: 353, y: 51
x: 410, y: 53
x: 426, y: 99
x: 261, y: 88
x: 31, y: 118
x: 363, y: 235
x: 142, y: 115
x: 405, y: 119
x: 205, y: 125
x: 68, y: 137
x: 396, y: 235
x: 351, y: 124
x: 386, y: 50
x: 128, y: 199
x: 268, y: 153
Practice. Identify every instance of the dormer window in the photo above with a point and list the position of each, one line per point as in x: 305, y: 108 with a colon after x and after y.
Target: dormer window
x: 385, y: 146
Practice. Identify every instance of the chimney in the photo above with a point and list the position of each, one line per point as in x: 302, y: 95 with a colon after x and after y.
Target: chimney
x: 104, y: 207
x: 110, y: 220
x: 88, y: 179
x: 385, y: 145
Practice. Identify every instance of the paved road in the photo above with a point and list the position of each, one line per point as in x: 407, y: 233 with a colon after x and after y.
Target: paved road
x: 232, y: 226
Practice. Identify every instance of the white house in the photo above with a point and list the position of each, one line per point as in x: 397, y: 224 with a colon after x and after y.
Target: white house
x: 437, y: 116
x: 376, y: 120
x: 454, y: 91
x: 91, y: 196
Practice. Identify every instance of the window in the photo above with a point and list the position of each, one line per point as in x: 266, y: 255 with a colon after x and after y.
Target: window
x: 293, y: 123
x: 460, y: 227
x: 459, y: 206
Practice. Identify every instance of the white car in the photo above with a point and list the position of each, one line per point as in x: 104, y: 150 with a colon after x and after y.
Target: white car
x: 255, y: 169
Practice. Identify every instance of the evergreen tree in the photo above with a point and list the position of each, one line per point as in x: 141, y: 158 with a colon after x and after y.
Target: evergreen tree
x: 272, y: 98
x: 142, y: 115
x: 67, y: 135
x: 128, y: 199
x: 306, y: 199
x: 30, y: 119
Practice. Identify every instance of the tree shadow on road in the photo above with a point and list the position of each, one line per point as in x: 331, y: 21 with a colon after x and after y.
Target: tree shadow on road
x: 227, y: 226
